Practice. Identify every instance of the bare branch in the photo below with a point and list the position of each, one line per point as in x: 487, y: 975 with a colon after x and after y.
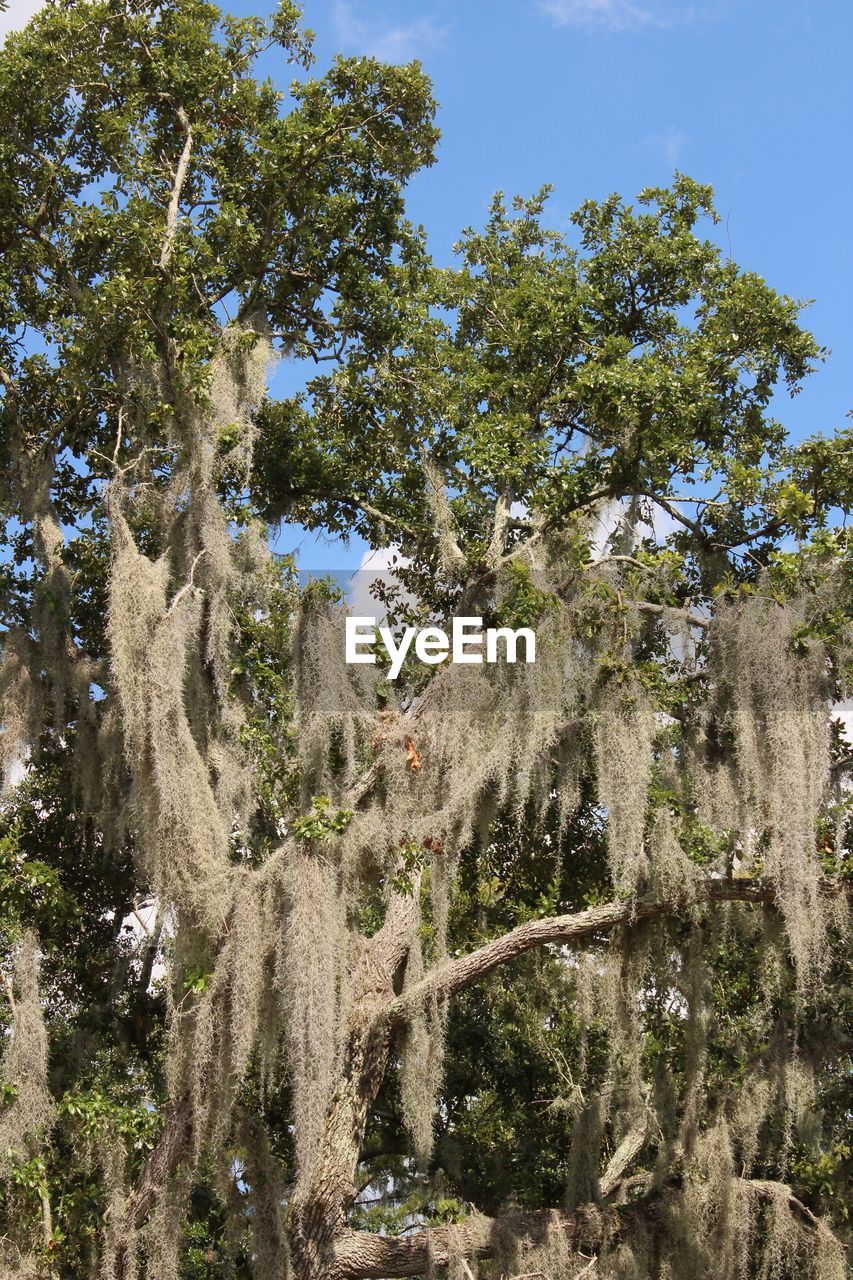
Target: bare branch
x: 177, y: 190
x: 613, y: 559
x: 666, y: 505
x: 365, y: 1256
x: 188, y: 586
x: 623, y: 1157
x: 500, y: 528
x: 690, y: 615
x: 371, y: 1257
x: 456, y: 975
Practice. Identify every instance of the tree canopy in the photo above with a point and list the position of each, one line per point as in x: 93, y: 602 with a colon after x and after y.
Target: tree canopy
x: 511, y: 971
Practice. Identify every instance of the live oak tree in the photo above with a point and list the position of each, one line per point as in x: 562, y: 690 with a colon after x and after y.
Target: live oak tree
x: 524, y: 970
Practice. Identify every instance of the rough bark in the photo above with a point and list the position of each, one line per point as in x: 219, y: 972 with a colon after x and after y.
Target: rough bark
x: 320, y: 1245
x: 366, y: 1256
x: 363, y: 1254
x: 449, y: 979
x: 317, y: 1212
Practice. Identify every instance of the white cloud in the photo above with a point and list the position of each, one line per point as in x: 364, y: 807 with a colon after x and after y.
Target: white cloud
x: 381, y: 559
x: 17, y: 15
x: 670, y: 142
x: 614, y: 15
x: 389, y: 44
x: 660, y: 525
x: 380, y: 563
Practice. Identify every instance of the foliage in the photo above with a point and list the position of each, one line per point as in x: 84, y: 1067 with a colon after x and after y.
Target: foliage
x: 289, y: 948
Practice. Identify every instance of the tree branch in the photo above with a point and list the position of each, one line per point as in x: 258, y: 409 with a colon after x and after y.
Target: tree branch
x: 694, y: 526
x: 623, y: 1157
x: 158, y: 1167
x: 177, y: 190
x: 354, y: 503
x: 361, y: 1255
x: 456, y: 975
x: 500, y: 527
x: 317, y: 1208
x: 161, y: 1163
x: 375, y: 1257
x: 690, y: 615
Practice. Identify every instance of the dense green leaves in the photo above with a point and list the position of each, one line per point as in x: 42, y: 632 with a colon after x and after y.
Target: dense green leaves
x: 561, y: 425
x: 546, y: 377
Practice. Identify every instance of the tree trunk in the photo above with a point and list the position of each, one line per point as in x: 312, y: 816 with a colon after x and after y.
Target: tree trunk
x: 316, y: 1217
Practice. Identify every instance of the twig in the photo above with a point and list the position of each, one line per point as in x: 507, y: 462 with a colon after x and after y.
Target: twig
x: 188, y: 586
x: 638, y: 564
x: 119, y: 434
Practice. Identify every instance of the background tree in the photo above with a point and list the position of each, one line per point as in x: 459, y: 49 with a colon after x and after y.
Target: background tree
x: 532, y: 969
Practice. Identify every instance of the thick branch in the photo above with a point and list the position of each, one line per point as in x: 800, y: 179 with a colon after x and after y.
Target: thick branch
x: 364, y: 1256
x: 665, y: 505
x: 177, y: 191
x: 154, y: 1176
x: 690, y: 615
x: 622, y: 1159
x: 316, y: 1212
x: 361, y: 1254
x: 158, y: 1168
x: 448, y: 979
x: 162, y: 1162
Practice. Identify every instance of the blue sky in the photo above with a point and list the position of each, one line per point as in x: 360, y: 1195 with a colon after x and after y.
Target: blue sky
x: 594, y: 96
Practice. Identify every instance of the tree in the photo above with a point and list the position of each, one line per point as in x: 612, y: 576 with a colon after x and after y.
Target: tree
x: 530, y: 968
